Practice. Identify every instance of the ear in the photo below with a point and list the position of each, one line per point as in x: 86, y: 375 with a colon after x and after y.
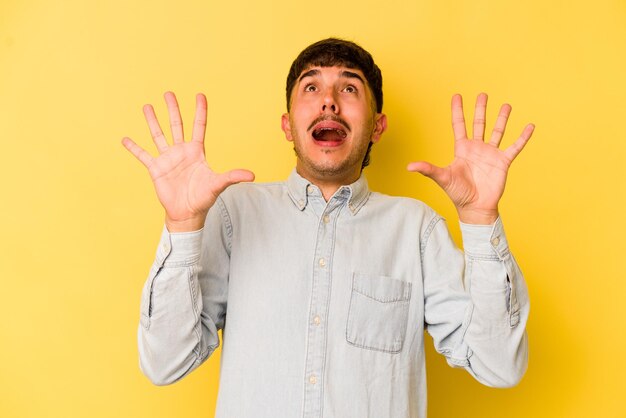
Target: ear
x: 380, y: 126
x: 286, y: 126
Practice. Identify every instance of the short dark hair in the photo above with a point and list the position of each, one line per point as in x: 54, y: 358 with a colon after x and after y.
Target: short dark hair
x: 333, y: 52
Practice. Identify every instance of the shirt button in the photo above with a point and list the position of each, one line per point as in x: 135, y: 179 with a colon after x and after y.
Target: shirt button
x: 317, y: 320
x: 312, y: 379
x: 326, y: 219
x: 495, y: 241
x: 322, y: 262
x: 309, y: 189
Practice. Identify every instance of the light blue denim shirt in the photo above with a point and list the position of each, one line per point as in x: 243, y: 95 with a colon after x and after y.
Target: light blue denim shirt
x: 323, y: 306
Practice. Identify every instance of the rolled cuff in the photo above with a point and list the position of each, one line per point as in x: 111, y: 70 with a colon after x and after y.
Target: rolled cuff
x: 179, y: 248
x: 485, y: 241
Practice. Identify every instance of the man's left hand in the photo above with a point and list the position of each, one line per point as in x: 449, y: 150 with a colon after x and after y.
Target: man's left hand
x: 476, y: 177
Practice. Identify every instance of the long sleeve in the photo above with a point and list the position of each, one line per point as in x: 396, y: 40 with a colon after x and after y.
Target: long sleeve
x: 183, y: 302
x: 476, y: 303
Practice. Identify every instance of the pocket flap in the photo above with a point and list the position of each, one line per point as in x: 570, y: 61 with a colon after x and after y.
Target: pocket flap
x: 381, y: 288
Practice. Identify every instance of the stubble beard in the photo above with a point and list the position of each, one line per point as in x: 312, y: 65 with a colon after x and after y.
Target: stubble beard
x: 329, y: 169
x: 332, y: 170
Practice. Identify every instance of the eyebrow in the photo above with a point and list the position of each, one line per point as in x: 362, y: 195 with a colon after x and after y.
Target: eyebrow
x: 350, y: 74
x: 346, y: 74
x: 309, y: 73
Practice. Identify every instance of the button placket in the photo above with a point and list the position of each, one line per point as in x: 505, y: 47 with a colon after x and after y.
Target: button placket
x: 320, y: 297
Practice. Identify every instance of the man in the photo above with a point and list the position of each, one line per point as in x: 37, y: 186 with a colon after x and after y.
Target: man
x: 322, y: 288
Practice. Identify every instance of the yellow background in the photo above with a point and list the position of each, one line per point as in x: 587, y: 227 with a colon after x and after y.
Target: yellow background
x: 80, y: 222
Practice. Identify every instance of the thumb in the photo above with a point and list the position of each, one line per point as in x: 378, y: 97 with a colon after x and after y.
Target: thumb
x: 438, y: 174
x: 232, y: 177
x: 238, y: 175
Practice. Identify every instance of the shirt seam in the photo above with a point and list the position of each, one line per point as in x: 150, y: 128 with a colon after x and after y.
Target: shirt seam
x: 427, y: 233
x: 227, y: 220
x: 193, y: 296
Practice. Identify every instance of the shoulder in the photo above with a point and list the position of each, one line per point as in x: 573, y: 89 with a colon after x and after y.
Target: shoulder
x: 247, y: 198
x: 411, y: 213
x: 253, y: 190
x: 401, y: 203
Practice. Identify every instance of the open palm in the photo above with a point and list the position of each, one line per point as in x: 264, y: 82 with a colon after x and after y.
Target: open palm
x: 185, y: 184
x: 475, y: 179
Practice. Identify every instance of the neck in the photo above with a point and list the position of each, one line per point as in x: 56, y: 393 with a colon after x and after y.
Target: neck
x: 328, y: 185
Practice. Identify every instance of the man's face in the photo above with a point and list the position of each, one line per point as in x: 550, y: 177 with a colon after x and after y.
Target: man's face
x: 331, y: 123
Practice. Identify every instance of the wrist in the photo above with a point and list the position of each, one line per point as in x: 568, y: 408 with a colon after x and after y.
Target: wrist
x: 478, y: 217
x: 186, y: 225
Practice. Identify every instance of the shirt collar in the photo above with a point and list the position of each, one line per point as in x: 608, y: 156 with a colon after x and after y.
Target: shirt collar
x: 300, y: 189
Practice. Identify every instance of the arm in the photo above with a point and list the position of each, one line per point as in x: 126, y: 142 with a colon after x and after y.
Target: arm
x: 183, y: 303
x: 477, y: 303
x: 183, y: 307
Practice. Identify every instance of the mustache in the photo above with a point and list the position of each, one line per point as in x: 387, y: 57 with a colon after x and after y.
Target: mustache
x: 329, y: 117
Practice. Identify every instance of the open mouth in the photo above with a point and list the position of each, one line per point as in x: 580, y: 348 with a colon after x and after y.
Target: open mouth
x: 329, y: 134
x: 329, y: 131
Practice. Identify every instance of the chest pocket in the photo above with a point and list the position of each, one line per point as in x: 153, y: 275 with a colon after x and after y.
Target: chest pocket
x: 378, y: 313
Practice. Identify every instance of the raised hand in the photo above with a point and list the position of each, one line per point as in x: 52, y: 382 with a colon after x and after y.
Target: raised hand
x: 476, y: 177
x: 184, y: 183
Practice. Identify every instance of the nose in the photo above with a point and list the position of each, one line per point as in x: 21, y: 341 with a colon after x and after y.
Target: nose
x: 330, y: 104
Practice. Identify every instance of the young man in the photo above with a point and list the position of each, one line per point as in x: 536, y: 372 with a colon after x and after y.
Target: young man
x: 322, y: 288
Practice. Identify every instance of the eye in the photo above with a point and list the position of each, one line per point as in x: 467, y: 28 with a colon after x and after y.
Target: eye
x: 350, y: 89
x: 310, y: 87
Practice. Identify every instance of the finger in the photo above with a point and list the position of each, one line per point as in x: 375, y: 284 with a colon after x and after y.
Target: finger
x: 515, y: 148
x: 500, y: 126
x: 479, y: 116
x: 141, y: 154
x: 438, y: 174
x: 232, y: 177
x: 155, y: 128
x: 199, y: 122
x: 458, y: 120
x: 176, y: 122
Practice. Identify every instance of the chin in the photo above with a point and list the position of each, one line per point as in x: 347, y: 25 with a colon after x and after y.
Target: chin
x: 331, y: 171
x: 327, y: 167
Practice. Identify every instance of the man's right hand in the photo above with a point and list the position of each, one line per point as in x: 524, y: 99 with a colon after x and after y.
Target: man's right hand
x: 184, y: 183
